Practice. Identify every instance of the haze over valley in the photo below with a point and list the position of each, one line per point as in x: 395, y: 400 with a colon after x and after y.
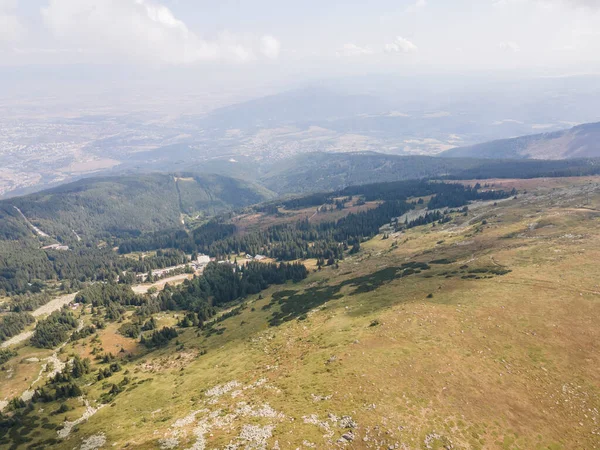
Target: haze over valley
x: 384, y: 114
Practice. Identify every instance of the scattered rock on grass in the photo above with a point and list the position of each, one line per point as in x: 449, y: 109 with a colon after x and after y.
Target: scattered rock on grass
x: 93, y: 442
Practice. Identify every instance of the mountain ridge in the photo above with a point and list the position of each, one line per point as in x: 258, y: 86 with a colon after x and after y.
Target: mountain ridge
x: 93, y: 207
x: 123, y: 205
x: 581, y: 141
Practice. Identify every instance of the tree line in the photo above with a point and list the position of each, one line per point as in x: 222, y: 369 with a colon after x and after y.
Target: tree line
x: 218, y: 285
x: 25, y: 268
x: 221, y: 284
x: 456, y: 195
x: 54, y: 330
x: 326, y: 240
x: 14, y: 323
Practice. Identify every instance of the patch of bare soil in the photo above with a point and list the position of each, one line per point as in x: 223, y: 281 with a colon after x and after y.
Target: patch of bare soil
x: 174, y: 281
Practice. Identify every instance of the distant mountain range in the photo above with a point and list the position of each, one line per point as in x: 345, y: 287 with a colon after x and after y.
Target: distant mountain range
x: 582, y: 141
x: 301, y: 106
x: 394, y: 116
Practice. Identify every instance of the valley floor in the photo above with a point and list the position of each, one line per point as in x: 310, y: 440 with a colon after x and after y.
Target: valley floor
x: 479, y: 333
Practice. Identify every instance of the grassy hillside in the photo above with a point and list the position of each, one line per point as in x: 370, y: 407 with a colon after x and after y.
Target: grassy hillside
x: 96, y: 208
x: 582, y: 141
x: 477, y: 333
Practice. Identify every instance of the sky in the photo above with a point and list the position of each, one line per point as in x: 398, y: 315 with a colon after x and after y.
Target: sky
x: 234, y: 39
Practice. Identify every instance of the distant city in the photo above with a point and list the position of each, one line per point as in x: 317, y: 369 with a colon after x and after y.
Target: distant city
x: 43, y: 150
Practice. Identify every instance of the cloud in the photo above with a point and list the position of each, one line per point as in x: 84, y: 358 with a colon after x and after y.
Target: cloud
x: 592, y: 4
x: 565, y: 48
x: 419, y: 4
x: 146, y: 31
x: 8, y: 5
x: 401, y: 45
x: 502, y: 122
x: 510, y: 47
x: 436, y: 115
x: 270, y: 47
x: 353, y: 50
x: 11, y: 28
x: 584, y: 3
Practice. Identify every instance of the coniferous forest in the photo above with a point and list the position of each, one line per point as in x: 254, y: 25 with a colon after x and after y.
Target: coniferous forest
x: 25, y: 268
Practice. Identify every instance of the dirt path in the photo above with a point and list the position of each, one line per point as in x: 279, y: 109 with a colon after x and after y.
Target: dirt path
x: 59, y: 302
x: 17, y: 339
x: 48, y: 308
x: 52, y: 361
x: 54, y: 305
x: 175, y: 280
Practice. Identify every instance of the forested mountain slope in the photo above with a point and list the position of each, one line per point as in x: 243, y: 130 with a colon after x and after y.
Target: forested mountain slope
x: 315, y: 172
x: 95, y: 208
x: 330, y: 171
x: 125, y: 206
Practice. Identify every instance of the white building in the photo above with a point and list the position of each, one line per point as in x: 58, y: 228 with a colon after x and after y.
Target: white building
x: 203, y: 259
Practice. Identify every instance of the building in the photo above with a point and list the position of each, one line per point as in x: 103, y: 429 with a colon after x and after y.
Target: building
x: 203, y: 259
x: 59, y: 247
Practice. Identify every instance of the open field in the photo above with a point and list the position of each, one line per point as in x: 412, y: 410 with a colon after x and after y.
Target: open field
x: 481, y: 333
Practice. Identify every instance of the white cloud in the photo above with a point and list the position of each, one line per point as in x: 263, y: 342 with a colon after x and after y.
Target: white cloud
x: 585, y: 3
x: 574, y: 3
x: 8, y: 5
x: 401, y: 45
x: 419, y: 4
x: 436, y: 115
x: 510, y: 46
x: 565, y: 48
x: 180, y: 32
x: 11, y: 28
x: 353, y: 50
x: 270, y: 47
x: 502, y: 122
x: 146, y: 31
x: 45, y: 51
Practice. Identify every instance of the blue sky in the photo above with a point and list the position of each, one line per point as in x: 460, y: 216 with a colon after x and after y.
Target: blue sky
x: 316, y: 38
